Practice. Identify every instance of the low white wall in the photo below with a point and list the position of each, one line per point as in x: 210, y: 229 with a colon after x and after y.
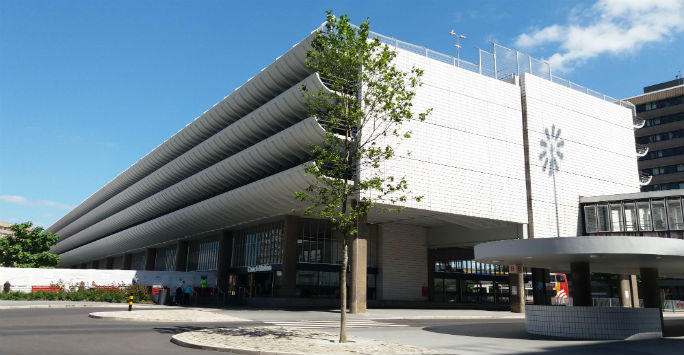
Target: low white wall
x: 592, y: 322
x: 22, y: 279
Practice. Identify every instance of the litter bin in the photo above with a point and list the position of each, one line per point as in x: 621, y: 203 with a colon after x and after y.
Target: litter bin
x: 156, y: 291
x: 163, y: 295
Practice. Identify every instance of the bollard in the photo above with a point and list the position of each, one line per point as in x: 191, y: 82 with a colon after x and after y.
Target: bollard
x: 130, y: 303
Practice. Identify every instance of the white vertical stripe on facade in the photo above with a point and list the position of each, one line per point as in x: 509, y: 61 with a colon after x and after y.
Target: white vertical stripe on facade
x: 402, y: 262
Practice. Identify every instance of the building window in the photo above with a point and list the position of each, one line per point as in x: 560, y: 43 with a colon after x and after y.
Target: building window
x: 203, y: 254
x: 590, y: 222
x: 644, y: 216
x: 670, y: 152
x: 660, y: 104
x: 316, y: 243
x: 603, y: 218
x: 659, y: 217
x: 138, y: 261
x: 260, y: 245
x: 669, y: 169
x: 674, y: 213
x: 630, y: 217
x: 658, y: 187
x: 165, y: 259
x: 616, y: 218
x: 660, y: 137
x: 665, y: 119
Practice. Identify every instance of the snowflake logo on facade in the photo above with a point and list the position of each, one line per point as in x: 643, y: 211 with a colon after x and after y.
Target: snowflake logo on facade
x: 551, y: 153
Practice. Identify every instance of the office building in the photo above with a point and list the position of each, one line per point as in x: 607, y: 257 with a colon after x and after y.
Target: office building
x: 662, y: 108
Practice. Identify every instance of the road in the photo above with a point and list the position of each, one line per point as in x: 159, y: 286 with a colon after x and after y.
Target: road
x: 70, y: 331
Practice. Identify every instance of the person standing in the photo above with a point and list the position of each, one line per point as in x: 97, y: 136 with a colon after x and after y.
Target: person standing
x: 187, y: 293
x: 6, y: 287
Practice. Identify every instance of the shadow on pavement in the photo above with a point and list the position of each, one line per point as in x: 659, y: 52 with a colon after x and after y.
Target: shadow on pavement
x: 177, y: 329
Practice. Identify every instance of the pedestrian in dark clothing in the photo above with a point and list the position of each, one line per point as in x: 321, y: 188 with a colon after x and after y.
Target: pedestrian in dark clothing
x: 6, y: 287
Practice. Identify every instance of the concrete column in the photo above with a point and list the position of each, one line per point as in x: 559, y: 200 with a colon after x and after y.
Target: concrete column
x: 181, y: 255
x: 150, y: 256
x: 225, y: 254
x: 581, y: 283
x: 127, y: 261
x: 359, y: 268
x: 95, y: 264
x: 290, y: 257
x: 625, y: 291
x: 109, y: 263
x: 635, y: 291
x: 431, y: 273
x: 651, y: 291
x: 650, y: 288
x: 84, y: 265
x: 516, y: 282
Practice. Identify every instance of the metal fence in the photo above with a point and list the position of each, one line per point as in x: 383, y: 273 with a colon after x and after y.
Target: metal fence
x: 501, y: 63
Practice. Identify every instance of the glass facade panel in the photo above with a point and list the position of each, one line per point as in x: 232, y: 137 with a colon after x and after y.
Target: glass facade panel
x: 590, y: 222
x: 165, y: 259
x: 630, y: 216
x: 644, y: 216
x: 659, y: 217
x: 316, y: 243
x: 138, y: 261
x: 616, y: 218
x: 203, y: 254
x: 260, y: 245
x: 603, y: 218
x: 674, y: 214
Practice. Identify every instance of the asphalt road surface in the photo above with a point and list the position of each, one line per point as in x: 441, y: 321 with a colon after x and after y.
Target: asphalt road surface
x: 71, y: 331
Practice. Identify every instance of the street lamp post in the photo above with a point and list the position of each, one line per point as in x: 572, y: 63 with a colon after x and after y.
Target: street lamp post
x: 459, y: 37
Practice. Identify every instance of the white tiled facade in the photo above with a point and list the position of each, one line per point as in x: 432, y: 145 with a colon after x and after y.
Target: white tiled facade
x: 599, y: 157
x: 402, y: 262
x: 467, y: 158
x: 592, y: 322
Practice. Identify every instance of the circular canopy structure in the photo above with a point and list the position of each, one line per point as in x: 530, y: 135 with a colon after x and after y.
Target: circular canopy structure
x: 608, y: 254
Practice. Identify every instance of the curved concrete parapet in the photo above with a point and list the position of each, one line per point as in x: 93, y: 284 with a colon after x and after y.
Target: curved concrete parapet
x: 274, y: 116
x: 271, y: 196
x: 287, y: 70
x: 611, y: 254
x: 281, y: 151
x: 593, y: 322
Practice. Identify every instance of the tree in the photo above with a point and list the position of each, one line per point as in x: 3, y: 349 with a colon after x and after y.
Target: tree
x: 362, y: 115
x: 28, y: 247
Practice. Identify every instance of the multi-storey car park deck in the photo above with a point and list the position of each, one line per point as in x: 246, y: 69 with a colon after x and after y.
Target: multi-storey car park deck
x: 219, y: 194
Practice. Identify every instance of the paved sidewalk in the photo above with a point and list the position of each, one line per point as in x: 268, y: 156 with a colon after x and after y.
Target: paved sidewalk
x: 68, y: 304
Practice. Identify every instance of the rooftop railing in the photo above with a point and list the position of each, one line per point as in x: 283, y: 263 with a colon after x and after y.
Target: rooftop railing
x: 501, y: 63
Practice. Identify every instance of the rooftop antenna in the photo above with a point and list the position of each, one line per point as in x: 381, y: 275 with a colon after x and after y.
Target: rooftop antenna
x: 459, y: 37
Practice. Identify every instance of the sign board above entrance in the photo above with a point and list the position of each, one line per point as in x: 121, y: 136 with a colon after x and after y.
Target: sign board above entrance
x: 258, y: 268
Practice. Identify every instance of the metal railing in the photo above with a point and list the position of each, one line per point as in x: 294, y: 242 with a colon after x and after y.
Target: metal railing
x: 501, y: 64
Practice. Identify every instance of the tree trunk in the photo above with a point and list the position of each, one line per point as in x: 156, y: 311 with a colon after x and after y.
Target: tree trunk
x: 343, y: 293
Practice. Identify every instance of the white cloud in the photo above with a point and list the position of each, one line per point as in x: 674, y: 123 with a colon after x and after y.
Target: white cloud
x: 21, y: 200
x: 609, y: 26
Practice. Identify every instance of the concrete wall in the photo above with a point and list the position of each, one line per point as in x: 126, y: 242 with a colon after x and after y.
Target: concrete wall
x: 467, y: 158
x: 402, y: 262
x: 598, y: 152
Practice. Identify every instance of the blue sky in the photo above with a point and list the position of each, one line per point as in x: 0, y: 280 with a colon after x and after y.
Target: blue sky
x: 89, y: 87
